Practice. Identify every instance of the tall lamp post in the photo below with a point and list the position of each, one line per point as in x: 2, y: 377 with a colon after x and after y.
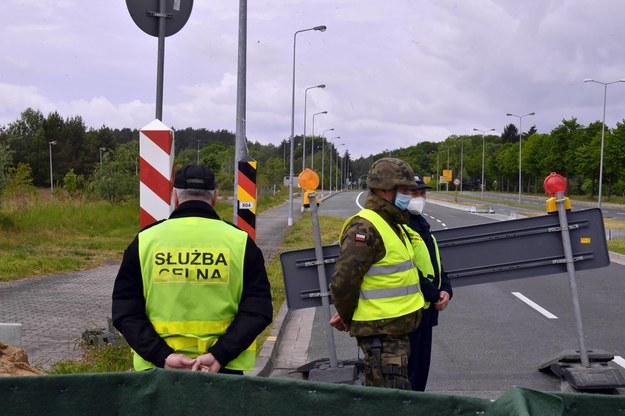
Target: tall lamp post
x: 290, y: 218
x: 304, y: 138
x: 605, y: 96
x: 323, y: 154
x: 50, y: 144
x: 338, y: 157
x: 198, y: 151
x: 483, y: 133
x: 102, y: 149
x: 312, y: 139
x: 520, y: 141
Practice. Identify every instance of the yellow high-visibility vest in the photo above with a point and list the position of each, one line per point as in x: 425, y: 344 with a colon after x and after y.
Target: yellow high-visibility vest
x: 422, y: 257
x: 192, y: 270
x: 390, y: 287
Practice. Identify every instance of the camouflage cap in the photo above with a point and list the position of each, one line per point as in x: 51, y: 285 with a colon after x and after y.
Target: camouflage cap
x: 388, y: 173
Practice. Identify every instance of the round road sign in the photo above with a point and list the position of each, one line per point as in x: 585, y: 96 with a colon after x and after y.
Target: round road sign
x: 145, y: 14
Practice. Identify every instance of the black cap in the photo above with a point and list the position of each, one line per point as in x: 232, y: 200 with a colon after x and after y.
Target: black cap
x: 420, y: 183
x: 194, y: 177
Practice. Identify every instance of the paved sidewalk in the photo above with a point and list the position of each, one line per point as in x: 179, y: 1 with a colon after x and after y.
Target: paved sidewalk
x: 55, y: 310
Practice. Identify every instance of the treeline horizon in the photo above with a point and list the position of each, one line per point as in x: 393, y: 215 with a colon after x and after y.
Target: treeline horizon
x: 98, y: 155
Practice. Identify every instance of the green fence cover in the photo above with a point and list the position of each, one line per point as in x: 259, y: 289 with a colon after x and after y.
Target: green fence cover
x: 171, y: 393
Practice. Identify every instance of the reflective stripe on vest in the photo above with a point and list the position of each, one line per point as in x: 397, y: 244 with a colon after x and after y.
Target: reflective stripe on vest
x: 390, y: 288
x: 192, y: 283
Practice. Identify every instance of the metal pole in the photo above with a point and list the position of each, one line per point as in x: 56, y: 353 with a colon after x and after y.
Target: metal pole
x: 482, y: 182
x: 323, y: 285
x: 520, y: 149
x: 570, y: 268
x: 605, y: 98
x: 241, y: 104
x: 198, y: 151
x: 161, y: 59
x: 304, y: 136
x: 438, y: 176
x: 51, y: 178
x: 290, y: 218
x: 461, y: 162
x: 331, y: 151
x: 447, y: 184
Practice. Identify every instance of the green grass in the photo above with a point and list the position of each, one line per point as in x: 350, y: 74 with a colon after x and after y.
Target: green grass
x: 40, y: 236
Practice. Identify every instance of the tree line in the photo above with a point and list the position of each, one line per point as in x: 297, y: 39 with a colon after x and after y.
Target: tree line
x: 105, y: 161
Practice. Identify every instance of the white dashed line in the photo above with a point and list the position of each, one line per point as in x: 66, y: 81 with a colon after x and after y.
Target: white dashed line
x: 534, y: 305
x: 619, y: 360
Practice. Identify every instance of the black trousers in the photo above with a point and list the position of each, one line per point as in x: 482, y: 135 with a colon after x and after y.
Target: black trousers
x: 420, y: 357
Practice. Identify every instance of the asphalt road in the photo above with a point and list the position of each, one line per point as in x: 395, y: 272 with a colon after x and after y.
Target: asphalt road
x: 490, y: 339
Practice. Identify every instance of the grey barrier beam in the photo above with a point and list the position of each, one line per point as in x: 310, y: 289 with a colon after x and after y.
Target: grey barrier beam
x: 477, y: 254
x: 521, y: 248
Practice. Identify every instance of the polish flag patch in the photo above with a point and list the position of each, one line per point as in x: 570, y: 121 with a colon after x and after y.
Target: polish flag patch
x: 360, y: 237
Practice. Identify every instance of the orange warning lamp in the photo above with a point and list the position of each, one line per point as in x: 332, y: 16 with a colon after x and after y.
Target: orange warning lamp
x: 553, y: 184
x: 308, y: 180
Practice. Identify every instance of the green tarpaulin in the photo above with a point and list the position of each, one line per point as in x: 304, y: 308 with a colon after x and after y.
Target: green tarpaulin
x: 163, y: 392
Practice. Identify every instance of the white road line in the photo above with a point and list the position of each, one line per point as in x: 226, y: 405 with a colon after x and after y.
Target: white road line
x: 619, y: 360
x: 534, y: 305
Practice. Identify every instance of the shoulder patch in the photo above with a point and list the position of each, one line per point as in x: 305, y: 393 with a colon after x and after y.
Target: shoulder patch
x: 360, y: 237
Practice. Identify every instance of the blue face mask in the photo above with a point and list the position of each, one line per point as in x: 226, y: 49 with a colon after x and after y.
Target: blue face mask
x: 402, y: 201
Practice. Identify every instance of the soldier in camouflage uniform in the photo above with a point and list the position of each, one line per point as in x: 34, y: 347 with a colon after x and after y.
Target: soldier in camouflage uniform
x: 375, y: 287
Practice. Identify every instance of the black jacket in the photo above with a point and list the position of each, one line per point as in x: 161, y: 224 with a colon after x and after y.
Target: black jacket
x: 429, y: 289
x: 129, y: 317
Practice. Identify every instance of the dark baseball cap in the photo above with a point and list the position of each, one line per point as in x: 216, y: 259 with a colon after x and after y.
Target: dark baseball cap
x: 192, y: 176
x: 420, y: 183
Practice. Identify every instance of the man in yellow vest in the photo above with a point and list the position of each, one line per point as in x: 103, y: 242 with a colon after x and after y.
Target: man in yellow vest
x: 192, y: 292
x: 375, y: 287
x: 435, y: 285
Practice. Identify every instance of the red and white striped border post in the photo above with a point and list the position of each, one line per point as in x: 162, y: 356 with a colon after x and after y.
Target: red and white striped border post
x: 156, y: 163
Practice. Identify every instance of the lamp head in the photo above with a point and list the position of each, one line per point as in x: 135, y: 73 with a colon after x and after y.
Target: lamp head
x: 588, y: 80
x: 52, y: 142
x: 324, y: 112
x: 320, y: 28
x: 509, y: 114
x: 531, y: 114
x: 321, y: 86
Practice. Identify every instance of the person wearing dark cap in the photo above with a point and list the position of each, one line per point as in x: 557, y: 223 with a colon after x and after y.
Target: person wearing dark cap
x: 435, y: 285
x: 375, y: 286
x: 192, y: 291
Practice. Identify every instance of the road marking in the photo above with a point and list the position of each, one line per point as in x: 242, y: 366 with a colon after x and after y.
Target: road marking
x: 534, y: 305
x: 619, y: 360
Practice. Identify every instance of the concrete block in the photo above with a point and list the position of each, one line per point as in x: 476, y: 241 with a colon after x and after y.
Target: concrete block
x: 11, y: 334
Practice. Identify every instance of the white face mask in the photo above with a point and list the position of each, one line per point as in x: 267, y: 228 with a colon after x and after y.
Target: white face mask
x: 416, y: 205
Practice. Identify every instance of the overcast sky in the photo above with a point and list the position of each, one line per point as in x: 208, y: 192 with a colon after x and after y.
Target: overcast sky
x: 398, y: 72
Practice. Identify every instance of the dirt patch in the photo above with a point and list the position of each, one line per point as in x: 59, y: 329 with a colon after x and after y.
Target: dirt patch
x: 14, y: 362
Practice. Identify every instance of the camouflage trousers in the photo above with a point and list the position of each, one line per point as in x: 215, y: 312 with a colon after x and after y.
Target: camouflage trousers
x: 386, y: 361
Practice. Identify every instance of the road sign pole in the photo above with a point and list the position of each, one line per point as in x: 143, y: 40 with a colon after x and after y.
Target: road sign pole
x: 570, y: 268
x: 160, y: 65
x: 323, y: 287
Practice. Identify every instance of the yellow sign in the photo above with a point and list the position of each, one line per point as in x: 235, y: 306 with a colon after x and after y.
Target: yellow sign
x: 308, y: 180
x: 584, y: 240
x: 427, y: 179
x: 447, y: 175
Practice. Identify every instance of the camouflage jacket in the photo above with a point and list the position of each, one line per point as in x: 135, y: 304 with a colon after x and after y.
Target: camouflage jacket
x: 358, y: 253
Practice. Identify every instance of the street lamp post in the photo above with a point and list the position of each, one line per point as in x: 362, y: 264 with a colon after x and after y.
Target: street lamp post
x: 605, y: 96
x: 323, y: 154
x: 520, y: 141
x: 312, y: 139
x: 290, y: 218
x: 102, y: 149
x: 483, y: 133
x: 198, y: 151
x: 338, y: 157
x: 50, y: 144
x: 304, y: 137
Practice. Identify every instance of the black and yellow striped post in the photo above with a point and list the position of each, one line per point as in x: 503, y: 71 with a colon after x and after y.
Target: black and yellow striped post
x: 246, y: 196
